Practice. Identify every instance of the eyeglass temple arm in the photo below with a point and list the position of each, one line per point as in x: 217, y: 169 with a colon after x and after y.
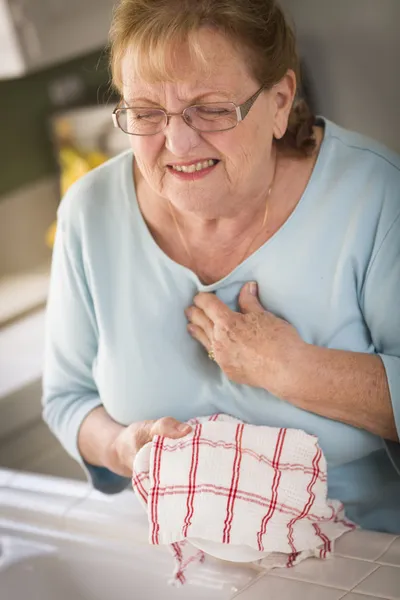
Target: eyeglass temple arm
x: 244, y: 108
x: 115, y: 118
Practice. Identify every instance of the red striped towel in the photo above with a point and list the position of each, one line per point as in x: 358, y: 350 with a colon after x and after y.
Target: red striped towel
x: 239, y: 492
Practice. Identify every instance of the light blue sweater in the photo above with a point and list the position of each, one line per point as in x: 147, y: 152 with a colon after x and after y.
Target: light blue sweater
x: 116, y: 329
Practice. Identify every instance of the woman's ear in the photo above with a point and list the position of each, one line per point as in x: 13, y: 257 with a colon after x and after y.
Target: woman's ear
x: 284, y: 94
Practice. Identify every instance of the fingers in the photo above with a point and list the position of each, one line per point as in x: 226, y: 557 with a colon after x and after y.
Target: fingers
x: 213, y: 307
x: 198, y: 334
x: 145, y: 431
x: 248, y: 299
x: 198, y: 318
x: 137, y: 435
x: 169, y: 427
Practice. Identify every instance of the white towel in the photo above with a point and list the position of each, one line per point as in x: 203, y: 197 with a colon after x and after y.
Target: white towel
x: 239, y: 492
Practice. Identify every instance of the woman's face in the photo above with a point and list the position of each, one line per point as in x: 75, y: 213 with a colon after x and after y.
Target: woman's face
x: 243, y: 153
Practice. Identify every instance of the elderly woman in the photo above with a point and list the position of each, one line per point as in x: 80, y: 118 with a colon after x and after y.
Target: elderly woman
x: 242, y: 257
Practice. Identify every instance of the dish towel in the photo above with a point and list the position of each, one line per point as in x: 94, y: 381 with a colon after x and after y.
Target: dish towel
x: 238, y: 492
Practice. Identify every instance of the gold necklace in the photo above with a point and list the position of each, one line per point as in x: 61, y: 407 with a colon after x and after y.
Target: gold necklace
x: 247, y: 250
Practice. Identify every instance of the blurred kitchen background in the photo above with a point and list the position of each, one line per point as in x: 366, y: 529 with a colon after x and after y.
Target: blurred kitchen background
x: 55, y: 124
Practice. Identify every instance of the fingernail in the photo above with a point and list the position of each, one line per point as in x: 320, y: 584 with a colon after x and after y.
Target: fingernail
x: 184, y: 428
x: 191, y: 329
x: 253, y: 288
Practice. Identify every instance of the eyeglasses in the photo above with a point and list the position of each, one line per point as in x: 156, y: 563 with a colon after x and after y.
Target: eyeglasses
x: 207, y: 118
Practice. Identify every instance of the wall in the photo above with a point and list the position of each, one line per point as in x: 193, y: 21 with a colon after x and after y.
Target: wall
x: 352, y: 51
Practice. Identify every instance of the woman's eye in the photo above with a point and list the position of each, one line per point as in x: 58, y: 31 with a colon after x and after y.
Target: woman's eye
x: 147, y: 115
x: 212, y: 110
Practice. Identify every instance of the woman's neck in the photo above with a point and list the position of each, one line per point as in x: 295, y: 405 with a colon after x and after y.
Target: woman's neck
x: 211, y: 247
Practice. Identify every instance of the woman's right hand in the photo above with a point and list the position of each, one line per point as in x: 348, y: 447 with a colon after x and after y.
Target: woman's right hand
x: 131, y: 439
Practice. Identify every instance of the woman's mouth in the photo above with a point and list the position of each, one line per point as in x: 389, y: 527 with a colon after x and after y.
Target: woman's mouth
x: 194, y: 170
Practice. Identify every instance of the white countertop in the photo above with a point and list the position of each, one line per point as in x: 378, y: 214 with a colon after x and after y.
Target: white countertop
x: 365, y: 565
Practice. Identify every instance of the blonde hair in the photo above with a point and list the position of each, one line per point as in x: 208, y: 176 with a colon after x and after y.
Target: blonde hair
x: 154, y: 29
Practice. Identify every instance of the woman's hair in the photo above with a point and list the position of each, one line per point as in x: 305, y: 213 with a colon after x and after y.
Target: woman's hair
x: 154, y: 29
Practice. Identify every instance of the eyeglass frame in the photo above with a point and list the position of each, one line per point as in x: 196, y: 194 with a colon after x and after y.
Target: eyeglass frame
x: 242, y: 110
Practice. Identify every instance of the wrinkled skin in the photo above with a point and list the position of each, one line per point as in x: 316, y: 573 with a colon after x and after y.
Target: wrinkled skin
x: 252, y: 346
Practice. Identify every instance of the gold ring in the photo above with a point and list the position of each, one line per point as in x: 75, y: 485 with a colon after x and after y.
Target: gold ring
x: 211, y: 354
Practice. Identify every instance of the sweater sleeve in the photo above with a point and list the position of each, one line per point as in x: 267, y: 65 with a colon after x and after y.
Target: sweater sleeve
x: 381, y: 307
x: 69, y: 389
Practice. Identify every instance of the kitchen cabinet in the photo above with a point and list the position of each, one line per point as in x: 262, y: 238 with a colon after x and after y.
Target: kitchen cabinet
x: 35, y: 34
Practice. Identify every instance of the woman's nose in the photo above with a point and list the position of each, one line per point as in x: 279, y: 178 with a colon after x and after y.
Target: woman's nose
x: 180, y: 139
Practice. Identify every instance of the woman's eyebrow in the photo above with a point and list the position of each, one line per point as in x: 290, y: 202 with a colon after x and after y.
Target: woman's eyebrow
x: 130, y: 101
x: 134, y: 100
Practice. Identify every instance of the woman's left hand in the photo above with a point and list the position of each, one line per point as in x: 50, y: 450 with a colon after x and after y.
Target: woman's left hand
x: 253, y: 347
